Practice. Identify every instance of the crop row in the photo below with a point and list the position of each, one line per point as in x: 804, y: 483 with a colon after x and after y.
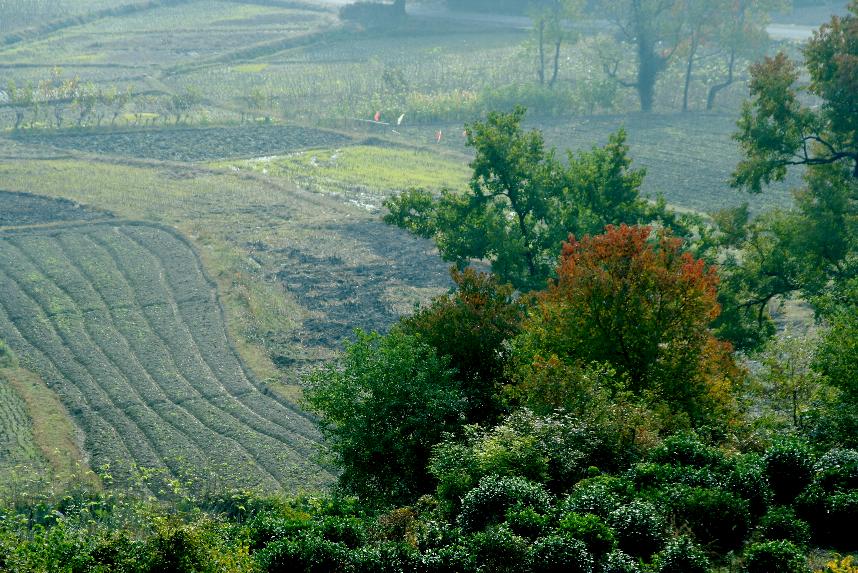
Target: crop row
x: 16, y: 444
x: 145, y: 365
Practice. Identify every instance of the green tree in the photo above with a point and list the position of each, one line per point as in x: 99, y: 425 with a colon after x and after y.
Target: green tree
x: 522, y: 202
x: 777, y: 129
x: 701, y: 21
x: 550, y: 22
x: 810, y: 249
x: 786, y: 380
x: 741, y: 34
x: 471, y: 327
x: 837, y: 357
x: 655, y: 29
x: 383, y: 405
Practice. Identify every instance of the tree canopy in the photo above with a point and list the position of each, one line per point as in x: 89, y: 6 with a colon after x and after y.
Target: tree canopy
x: 810, y: 249
x: 634, y: 300
x: 523, y: 201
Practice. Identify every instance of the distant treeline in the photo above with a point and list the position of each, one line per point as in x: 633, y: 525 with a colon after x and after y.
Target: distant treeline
x: 508, y: 6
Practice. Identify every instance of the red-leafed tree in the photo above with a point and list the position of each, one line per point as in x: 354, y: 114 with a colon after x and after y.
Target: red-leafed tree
x: 631, y: 298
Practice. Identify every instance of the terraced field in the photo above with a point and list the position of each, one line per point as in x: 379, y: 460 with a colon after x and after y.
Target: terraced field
x: 122, y: 322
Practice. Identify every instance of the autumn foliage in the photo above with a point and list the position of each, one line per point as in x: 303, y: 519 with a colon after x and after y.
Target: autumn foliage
x: 631, y: 298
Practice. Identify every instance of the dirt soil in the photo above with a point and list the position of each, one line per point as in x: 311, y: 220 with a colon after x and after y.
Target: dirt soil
x: 189, y: 143
x: 23, y: 209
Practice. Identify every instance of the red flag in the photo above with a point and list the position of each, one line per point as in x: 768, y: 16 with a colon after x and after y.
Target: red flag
x: 377, y: 116
x: 438, y: 136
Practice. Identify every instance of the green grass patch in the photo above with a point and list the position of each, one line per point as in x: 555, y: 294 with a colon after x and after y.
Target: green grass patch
x: 250, y: 68
x: 372, y: 169
x: 51, y: 430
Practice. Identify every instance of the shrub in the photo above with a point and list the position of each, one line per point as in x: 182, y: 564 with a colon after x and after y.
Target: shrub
x: 775, y: 557
x: 556, y: 554
x: 599, y: 496
x: 842, y: 520
x: 308, y: 553
x: 681, y: 555
x: 454, y: 557
x: 837, y: 471
x: 653, y: 476
x: 526, y: 521
x: 747, y: 479
x: 687, y: 450
x: 595, y: 533
x: 619, y: 562
x: 640, y: 528
x: 346, y: 530
x: 782, y: 523
x: 841, y: 565
x: 488, y: 503
x: 789, y: 469
x: 388, y: 557
x: 267, y: 527
x: 717, y: 518
x: 498, y: 550
x: 810, y: 506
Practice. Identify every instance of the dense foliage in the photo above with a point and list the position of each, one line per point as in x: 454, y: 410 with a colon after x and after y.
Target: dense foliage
x: 523, y: 201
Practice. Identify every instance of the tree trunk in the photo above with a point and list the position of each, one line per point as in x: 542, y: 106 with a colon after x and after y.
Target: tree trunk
x: 713, y: 91
x: 528, y: 252
x: 541, y: 71
x: 688, y: 68
x: 556, y: 61
x: 648, y: 69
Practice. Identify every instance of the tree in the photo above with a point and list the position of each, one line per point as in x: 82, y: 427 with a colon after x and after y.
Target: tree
x: 643, y: 306
x: 811, y: 248
x: 741, y: 34
x: 550, y: 18
x: 21, y: 100
x: 654, y: 27
x: 471, y: 327
x: 777, y: 130
x: 383, y: 406
x: 701, y: 17
x: 500, y: 217
x: 522, y: 202
x: 837, y: 357
x: 183, y: 104
x: 786, y: 378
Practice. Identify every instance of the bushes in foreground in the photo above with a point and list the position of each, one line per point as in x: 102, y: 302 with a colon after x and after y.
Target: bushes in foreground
x: 681, y: 510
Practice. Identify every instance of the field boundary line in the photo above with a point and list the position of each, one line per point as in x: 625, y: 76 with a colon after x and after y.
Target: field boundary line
x: 197, y: 395
x: 51, y: 362
x: 249, y: 374
x: 59, y: 24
